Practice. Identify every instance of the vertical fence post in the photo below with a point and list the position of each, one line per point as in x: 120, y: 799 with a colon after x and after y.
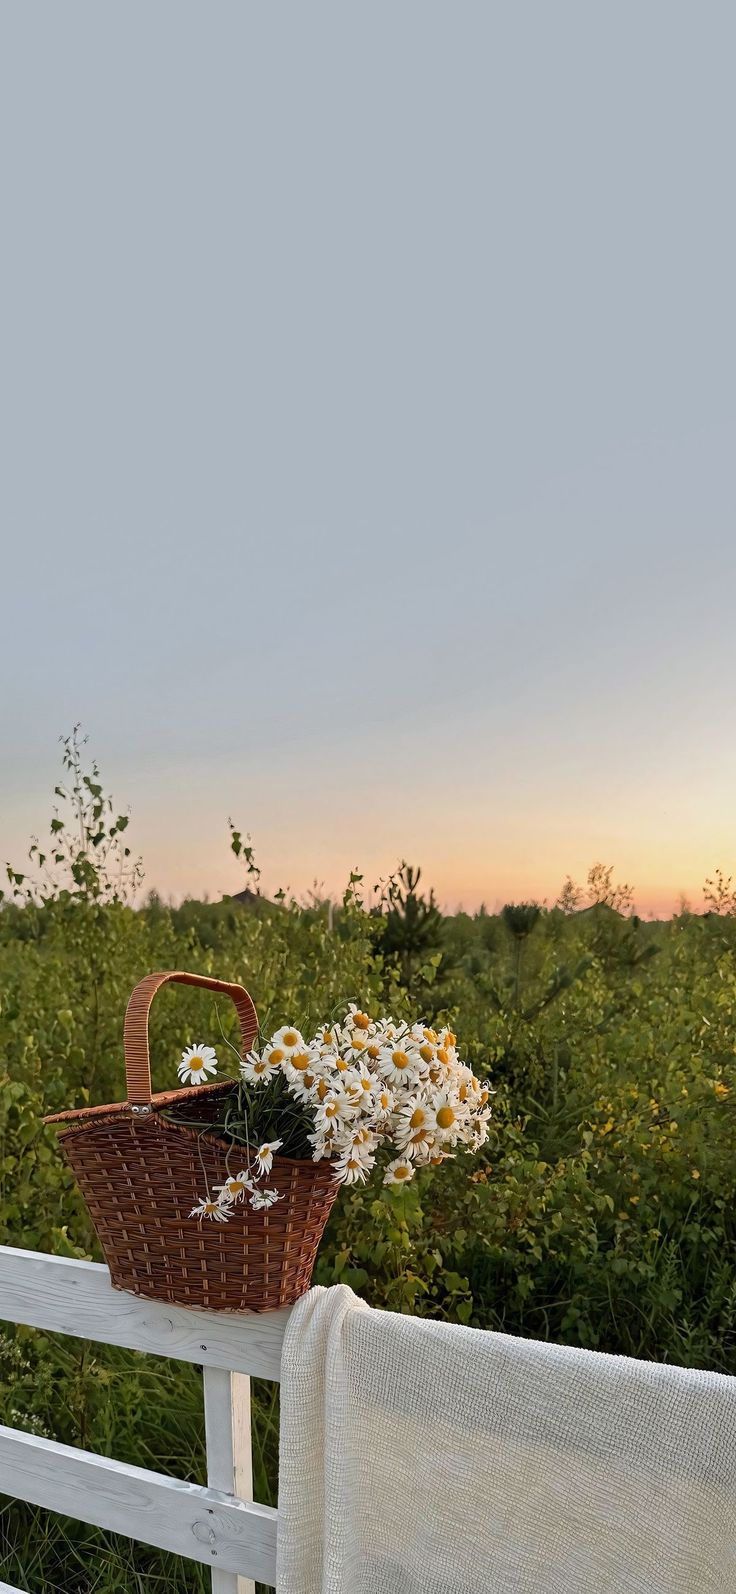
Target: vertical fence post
x: 229, y: 1453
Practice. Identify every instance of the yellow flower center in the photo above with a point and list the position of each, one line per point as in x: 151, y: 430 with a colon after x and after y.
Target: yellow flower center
x: 300, y: 1060
x: 309, y: 1081
x: 322, y: 1089
x: 276, y: 1056
x: 372, y: 1051
x: 445, y: 1117
x: 290, y: 1037
x: 450, y: 1038
x: 195, y: 1063
x: 417, y: 1118
x: 402, y: 1172
x: 426, y: 1052
x: 361, y: 1020
x: 357, y: 1042
x: 400, y: 1060
x: 331, y: 1109
x: 443, y: 1056
x: 235, y: 1186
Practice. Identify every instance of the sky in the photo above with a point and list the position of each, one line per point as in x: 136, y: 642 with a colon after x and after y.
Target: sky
x: 367, y: 407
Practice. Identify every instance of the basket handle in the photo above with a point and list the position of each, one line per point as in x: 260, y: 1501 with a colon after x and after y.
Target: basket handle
x: 135, y: 1032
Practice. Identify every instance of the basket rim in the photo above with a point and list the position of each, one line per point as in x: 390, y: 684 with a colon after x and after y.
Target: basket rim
x: 88, y: 1116
x: 162, y: 1098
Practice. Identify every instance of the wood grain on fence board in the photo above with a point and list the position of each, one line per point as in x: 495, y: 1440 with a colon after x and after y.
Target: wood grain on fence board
x: 206, y: 1525
x: 227, y: 1418
x: 66, y: 1296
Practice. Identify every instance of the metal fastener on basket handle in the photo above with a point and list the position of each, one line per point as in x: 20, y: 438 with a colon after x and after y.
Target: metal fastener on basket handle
x: 135, y: 1032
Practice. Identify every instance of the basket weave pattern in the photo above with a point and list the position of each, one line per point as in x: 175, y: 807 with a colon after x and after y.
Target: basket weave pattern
x: 141, y: 1174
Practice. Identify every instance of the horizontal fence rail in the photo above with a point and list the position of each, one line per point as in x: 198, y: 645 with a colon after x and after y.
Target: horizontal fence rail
x: 204, y: 1524
x: 65, y: 1296
x: 219, y: 1524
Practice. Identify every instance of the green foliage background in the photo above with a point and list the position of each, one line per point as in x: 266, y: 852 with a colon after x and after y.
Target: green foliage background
x: 601, y: 1212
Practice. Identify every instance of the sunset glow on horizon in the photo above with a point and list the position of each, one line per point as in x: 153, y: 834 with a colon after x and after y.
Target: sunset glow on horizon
x: 478, y: 852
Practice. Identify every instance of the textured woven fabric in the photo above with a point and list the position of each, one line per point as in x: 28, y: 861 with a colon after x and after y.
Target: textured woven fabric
x: 425, y: 1458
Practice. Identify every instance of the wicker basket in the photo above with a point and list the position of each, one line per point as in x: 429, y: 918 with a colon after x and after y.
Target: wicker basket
x: 141, y: 1174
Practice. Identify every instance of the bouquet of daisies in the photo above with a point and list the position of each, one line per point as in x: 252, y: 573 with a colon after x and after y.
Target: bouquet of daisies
x: 356, y: 1089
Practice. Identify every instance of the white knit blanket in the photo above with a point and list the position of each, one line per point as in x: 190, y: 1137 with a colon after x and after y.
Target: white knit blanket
x: 424, y: 1458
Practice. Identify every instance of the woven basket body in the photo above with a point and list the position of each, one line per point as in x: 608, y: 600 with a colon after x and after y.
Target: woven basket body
x: 141, y: 1174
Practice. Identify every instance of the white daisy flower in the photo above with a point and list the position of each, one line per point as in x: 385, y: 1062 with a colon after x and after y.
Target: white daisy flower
x: 422, y: 1032
x: 234, y: 1188
x: 328, y: 1038
x: 322, y: 1145
x: 197, y: 1062
x: 415, y: 1127
x: 353, y: 1167
x: 356, y: 1085
x: 400, y: 1171
x: 466, y: 1084
x: 207, y: 1208
x: 446, y: 1055
x: 384, y: 1102
x: 399, y: 1065
x: 261, y: 1199
x: 366, y: 1081
x: 288, y: 1040
x: 264, y: 1156
x: 448, y: 1114
x: 355, y: 1019
x: 300, y: 1063
x: 427, y: 1054
x: 363, y: 1136
x: 355, y: 1043
x: 391, y: 1032
x: 258, y: 1067
x: 303, y: 1086
x: 336, y: 1108
x: 422, y: 1148
x: 414, y: 1115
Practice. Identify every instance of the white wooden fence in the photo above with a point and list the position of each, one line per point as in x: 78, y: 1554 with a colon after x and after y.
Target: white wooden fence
x: 220, y: 1524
